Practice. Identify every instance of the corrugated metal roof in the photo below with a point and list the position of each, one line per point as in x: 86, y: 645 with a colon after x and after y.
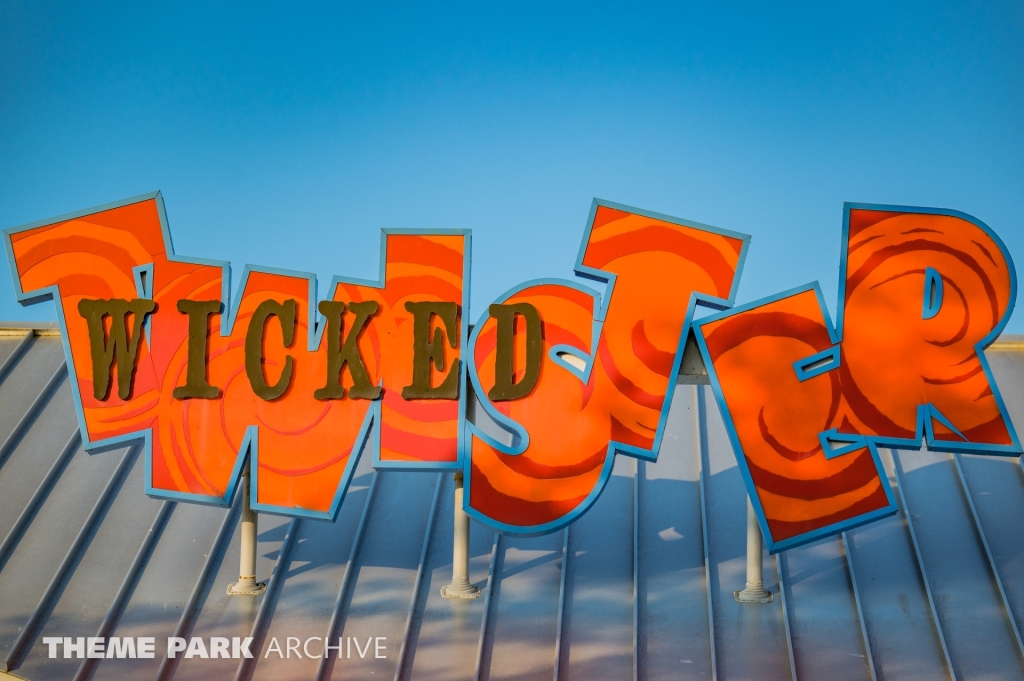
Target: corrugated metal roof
x: 639, y: 587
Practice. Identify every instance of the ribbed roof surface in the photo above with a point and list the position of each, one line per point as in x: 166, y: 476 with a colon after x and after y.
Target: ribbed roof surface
x: 640, y: 587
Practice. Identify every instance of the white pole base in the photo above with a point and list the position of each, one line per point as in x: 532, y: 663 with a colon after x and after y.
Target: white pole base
x: 460, y: 586
x: 246, y: 587
x: 247, y: 584
x: 754, y: 593
x: 455, y: 590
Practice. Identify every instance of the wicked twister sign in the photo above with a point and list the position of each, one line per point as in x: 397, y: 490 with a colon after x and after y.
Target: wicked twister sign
x: 158, y: 349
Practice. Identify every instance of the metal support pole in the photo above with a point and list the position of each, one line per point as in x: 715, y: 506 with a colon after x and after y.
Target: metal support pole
x: 460, y: 586
x: 247, y: 584
x: 755, y: 591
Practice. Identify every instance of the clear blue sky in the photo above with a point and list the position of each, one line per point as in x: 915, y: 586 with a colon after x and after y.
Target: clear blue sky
x: 287, y: 136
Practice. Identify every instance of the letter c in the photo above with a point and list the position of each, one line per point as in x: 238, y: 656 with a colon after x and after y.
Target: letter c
x: 285, y: 313
x: 305, y: 645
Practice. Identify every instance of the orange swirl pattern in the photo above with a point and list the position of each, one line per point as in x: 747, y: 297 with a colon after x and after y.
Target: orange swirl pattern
x: 893, y: 360
x: 304, y: 445
x: 777, y: 418
x: 658, y: 266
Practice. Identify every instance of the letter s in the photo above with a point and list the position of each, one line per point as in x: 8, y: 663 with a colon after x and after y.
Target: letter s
x: 608, y: 366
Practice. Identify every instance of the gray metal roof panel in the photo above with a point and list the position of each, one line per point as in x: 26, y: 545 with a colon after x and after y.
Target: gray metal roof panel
x: 523, y: 608
x: 897, y: 615
x: 59, y: 526
x: 314, y: 572
x: 27, y: 465
x: 99, y: 569
x: 24, y: 384
x: 673, y: 598
x: 446, y: 631
x: 996, y: 486
x: 147, y: 567
x: 823, y: 619
x: 223, y: 615
x: 598, y: 634
x: 979, y: 636
x: 750, y: 642
x: 376, y: 600
x: 165, y: 584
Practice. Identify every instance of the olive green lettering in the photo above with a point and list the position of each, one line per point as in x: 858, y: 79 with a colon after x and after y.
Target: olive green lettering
x: 196, y: 386
x: 120, y: 348
x: 341, y: 353
x: 285, y: 313
x: 427, y: 350
x: 504, y: 370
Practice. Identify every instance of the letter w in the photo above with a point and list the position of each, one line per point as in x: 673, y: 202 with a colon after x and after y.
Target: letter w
x: 258, y: 392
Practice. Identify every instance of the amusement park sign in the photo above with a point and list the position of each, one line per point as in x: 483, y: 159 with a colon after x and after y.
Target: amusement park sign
x: 296, y: 387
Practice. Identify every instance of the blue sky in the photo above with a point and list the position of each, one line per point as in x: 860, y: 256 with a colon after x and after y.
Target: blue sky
x: 287, y: 136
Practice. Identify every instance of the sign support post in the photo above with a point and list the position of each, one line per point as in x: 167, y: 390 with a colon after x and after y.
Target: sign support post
x: 460, y: 586
x: 754, y: 591
x: 247, y: 584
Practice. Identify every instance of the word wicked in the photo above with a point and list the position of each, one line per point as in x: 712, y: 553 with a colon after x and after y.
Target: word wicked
x: 565, y: 378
